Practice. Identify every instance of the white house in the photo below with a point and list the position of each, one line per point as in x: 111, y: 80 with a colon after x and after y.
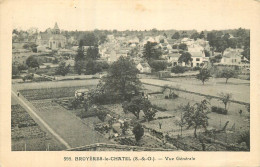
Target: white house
x: 231, y: 57
x: 144, y: 68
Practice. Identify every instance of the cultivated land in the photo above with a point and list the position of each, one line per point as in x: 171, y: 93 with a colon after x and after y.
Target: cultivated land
x: 78, y: 132
x: 27, y: 135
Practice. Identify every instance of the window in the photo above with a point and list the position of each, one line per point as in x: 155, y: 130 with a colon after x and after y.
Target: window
x: 197, y: 59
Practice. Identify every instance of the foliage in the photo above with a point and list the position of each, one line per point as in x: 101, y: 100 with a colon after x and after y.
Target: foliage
x: 101, y: 114
x: 185, y: 57
x: 138, y: 131
x: 175, y: 46
x: 203, y: 75
x: 245, y: 137
x: 75, y: 103
x: 246, y: 52
x: 215, y: 59
x: 225, y: 98
x: 92, y: 53
x: 218, y: 110
x: 228, y: 73
x: 22, y: 67
x: 62, y: 69
x: 202, y: 35
x: 26, y: 46
x: 15, y: 70
x: 89, y: 39
x: 158, y: 65
x: 178, y: 69
x: 32, y: 62
x: 124, y: 127
x: 195, y: 36
x: 151, y: 51
x: 28, y: 77
x: 196, y: 116
x: 207, y: 53
x: 176, y: 35
x: 122, y: 79
x: 196, y: 68
x: 183, y: 46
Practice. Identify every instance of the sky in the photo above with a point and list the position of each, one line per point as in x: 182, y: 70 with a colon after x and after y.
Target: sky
x: 135, y: 14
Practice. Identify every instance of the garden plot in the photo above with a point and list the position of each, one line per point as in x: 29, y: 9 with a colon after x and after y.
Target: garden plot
x: 27, y: 135
x: 51, y: 93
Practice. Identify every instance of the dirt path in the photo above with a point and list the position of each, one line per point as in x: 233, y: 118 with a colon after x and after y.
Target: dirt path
x: 65, y: 127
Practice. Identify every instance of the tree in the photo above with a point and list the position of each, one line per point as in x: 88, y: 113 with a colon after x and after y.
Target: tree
x: 165, y: 35
x: 225, y: 98
x: 138, y: 131
x: 149, y: 114
x: 124, y: 127
x: 101, y: 114
x: 32, y: 62
x: 196, y: 116
x: 183, y: 46
x: 203, y: 75
x: 246, y: 52
x: 228, y: 73
x: 122, y: 79
x: 79, y: 66
x: 176, y: 35
x: 88, y: 39
x: 158, y: 65
x: 22, y: 67
x: 195, y: 36
x: 62, y: 69
x: 151, y: 51
x: 138, y: 104
x: 185, y: 57
x: 92, y: 53
x: 202, y: 35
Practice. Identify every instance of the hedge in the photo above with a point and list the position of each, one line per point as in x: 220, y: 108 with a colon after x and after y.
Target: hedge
x: 219, y: 110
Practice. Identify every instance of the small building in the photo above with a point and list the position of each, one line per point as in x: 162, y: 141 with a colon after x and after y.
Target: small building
x: 144, y: 68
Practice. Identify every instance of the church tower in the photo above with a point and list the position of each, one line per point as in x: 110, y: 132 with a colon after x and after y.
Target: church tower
x: 56, y: 29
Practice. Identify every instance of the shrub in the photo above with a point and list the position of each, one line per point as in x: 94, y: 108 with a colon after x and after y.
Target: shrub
x: 196, y: 68
x: 218, y: 110
x: 178, y: 69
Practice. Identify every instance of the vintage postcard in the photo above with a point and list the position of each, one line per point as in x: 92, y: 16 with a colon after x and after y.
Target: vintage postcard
x: 123, y: 83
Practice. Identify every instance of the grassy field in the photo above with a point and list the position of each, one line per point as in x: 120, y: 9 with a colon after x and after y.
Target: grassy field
x: 239, y: 88
x: 27, y: 135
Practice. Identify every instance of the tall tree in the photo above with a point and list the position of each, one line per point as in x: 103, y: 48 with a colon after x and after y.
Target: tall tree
x: 151, y: 51
x: 122, y: 78
x: 176, y: 35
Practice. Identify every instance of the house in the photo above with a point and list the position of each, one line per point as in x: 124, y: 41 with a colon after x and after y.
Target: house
x: 173, y: 58
x: 231, y: 57
x: 144, y: 68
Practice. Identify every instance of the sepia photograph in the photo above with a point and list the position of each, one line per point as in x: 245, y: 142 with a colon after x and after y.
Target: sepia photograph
x: 136, y: 76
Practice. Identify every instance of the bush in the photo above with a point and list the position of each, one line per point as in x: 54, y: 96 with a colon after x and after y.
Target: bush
x: 196, y: 68
x: 178, y: 69
x: 218, y: 110
x: 41, y: 79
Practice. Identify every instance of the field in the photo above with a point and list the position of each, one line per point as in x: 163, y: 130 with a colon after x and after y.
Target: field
x: 51, y: 93
x: 27, y: 135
